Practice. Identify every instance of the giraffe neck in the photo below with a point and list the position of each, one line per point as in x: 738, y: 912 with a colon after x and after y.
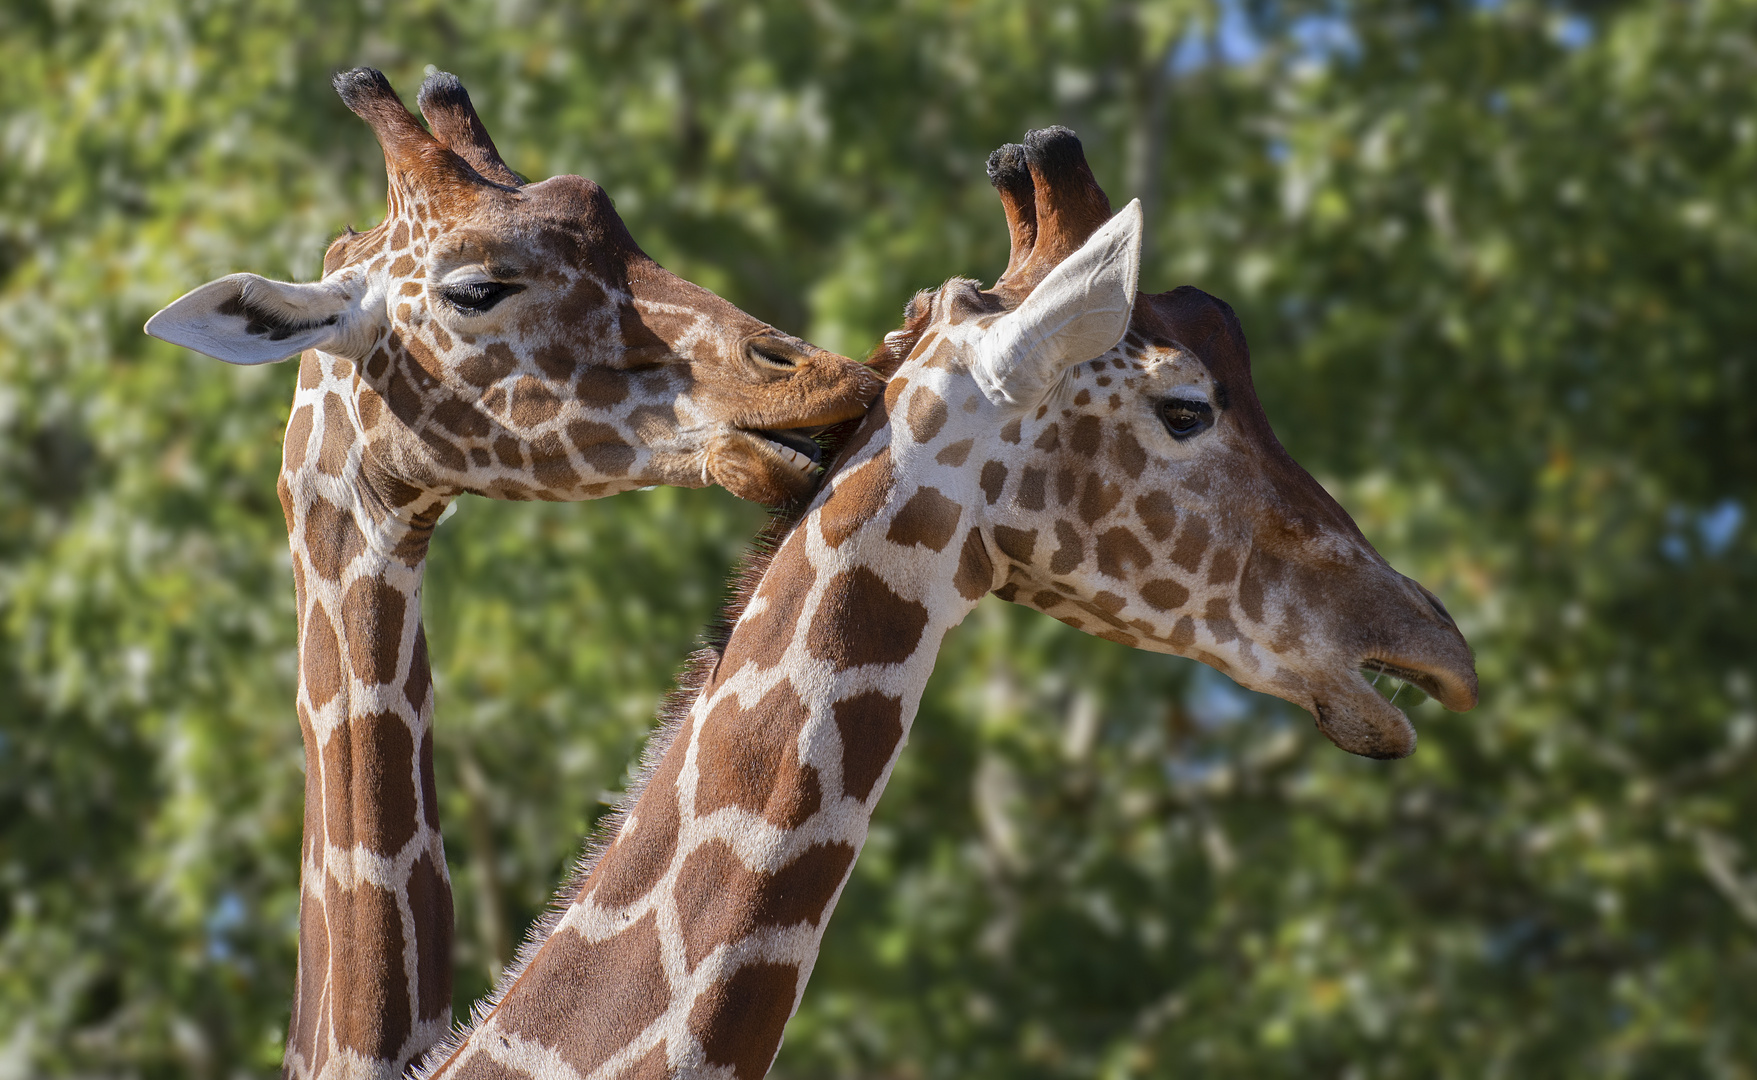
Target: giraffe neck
x: 375, y: 910
x: 686, y: 948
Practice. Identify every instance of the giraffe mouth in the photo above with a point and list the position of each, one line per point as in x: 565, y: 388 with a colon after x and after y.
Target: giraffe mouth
x: 1405, y: 684
x: 1362, y: 715
x: 796, y: 448
x: 1451, y: 689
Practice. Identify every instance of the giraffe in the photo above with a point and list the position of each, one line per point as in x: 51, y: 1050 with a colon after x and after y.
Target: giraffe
x: 1057, y: 440
x: 488, y: 336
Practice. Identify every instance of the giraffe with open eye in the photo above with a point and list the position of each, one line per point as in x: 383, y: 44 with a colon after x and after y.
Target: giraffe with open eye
x: 1059, y: 440
x: 491, y: 336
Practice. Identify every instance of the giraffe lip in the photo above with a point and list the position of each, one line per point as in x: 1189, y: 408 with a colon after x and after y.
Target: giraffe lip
x: 1453, y: 690
x: 1371, y: 728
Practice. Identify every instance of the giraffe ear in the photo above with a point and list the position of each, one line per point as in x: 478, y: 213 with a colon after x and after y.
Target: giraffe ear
x: 1076, y: 313
x: 246, y: 319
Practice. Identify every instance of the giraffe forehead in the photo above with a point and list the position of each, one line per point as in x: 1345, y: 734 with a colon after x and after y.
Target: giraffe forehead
x: 502, y: 255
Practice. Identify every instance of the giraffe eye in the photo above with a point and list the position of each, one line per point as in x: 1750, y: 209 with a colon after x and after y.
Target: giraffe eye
x: 475, y: 297
x: 1185, y: 417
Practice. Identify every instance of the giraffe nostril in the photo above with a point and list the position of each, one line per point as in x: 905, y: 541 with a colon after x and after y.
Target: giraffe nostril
x: 1439, y: 608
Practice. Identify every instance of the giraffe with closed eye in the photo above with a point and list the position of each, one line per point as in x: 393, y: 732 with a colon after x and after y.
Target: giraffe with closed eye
x: 491, y: 336
x: 1058, y: 440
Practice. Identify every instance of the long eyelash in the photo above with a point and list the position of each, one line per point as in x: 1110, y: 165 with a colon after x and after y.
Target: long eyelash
x: 475, y: 297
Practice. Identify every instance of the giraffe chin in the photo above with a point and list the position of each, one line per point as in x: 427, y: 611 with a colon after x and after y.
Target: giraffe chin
x: 1366, y: 724
x: 771, y: 468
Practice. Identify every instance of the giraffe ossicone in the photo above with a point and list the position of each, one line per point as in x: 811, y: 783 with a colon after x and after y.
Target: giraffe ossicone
x: 488, y: 336
x: 1059, y: 440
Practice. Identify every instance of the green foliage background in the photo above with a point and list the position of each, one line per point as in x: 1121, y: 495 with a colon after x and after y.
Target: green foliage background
x: 1497, y: 261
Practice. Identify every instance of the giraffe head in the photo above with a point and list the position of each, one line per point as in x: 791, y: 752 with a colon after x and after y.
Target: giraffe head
x: 1130, y: 484
x: 513, y: 340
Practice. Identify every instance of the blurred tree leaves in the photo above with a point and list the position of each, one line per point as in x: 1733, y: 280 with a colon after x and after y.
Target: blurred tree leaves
x: 1493, y: 256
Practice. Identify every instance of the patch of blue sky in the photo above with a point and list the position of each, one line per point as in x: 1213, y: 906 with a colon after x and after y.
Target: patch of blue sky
x: 1320, y: 38
x: 1716, y: 528
x: 1572, y: 31
x: 1719, y: 525
x: 1215, y: 700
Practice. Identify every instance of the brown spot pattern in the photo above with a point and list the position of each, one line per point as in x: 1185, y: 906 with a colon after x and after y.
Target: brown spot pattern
x: 320, y: 658
x: 1031, y: 483
x: 555, y: 362
x: 369, y: 784
x: 975, y: 572
x: 1119, y: 551
x: 1261, y: 572
x: 1127, y: 452
x: 430, y: 900
x: 298, y: 438
x: 313, y: 942
x: 755, y: 752
x: 1015, y: 543
x: 332, y: 454
x: 1158, y: 514
x: 368, y: 933
x: 860, y: 621
x: 551, y: 467
x: 1218, y: 617
x: 927, y: 414
x: 489, y: 366
x: 894, y: 393
x: 928, y: 519
x: 720, y: 900
x: 533, y: 403
x: 372, y: 620
x: 955, y: 454
x: 601, y: 388
x: 332, y: 540
x: 994, y: 478
x: 1070, y: 551
x: 871, y: 724
x: 1086, y: 436
x: 739, y: 1022
x: 655, y: 1066
x: 1190, y: 545
x: 1067, y: 484
x: 420, y: 674
x: 460, y: 418
x: 856, y: 499
x: 1165, y: 594
x: 619, y: 983
x: 1098, y: 498
x: 715, y: 895
x: 586, y: 434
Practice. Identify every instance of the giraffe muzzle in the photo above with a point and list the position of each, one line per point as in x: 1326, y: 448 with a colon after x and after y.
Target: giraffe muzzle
x: 1352, y: 712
